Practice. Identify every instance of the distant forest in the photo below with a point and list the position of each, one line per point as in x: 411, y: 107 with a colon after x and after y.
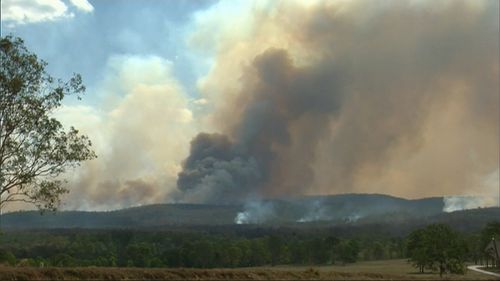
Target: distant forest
x: 229, y: 246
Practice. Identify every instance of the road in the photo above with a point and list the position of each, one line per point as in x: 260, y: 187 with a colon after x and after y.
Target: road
x: 476, y: 268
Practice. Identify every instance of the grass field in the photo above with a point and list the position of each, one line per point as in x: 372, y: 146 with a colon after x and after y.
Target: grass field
x: 376, y: 270
x: 388, y: 267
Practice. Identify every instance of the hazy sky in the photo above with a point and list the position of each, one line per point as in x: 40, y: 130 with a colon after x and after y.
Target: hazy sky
x: 306, y: 97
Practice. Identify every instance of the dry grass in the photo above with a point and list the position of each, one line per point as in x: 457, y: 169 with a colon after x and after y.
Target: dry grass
x: 94, y: 273
x: 378, y: 270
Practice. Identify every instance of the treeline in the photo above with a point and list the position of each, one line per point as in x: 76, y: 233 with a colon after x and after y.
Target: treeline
x: 171, y: 249
x: 129, y: 248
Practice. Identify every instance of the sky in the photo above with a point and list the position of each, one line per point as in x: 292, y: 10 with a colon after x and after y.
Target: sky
x: 227, y: 101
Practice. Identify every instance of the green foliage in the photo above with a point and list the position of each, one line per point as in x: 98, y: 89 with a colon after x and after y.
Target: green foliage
x: 176, y: 249
x: 348, y: 251
x: 320, y: 250
x: 6, y: 257
x: 491, y: 230
x: 378, y: 251
x: 138, y: 254
x: 436, y: 247
x: 439, y: 248
x: 275, y: 246
x: 417, y: 249
x: 34, y: 147
x: 63, y: 260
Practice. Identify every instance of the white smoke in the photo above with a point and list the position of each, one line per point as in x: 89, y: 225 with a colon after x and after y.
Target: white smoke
x: 352, y: 218
x: 317, y: 212
x: 142, y: 107
x: 255, y: 212
x: 459, y: 203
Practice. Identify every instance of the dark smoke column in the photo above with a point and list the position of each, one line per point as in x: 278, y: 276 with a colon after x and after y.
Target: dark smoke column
x: 269, y: 151
x: 215, y: 172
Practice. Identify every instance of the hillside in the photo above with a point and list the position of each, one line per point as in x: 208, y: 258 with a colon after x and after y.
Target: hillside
x: 330, y: 210
x: 144, y: 216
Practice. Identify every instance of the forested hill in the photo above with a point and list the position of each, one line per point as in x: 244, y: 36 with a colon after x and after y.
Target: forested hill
x: 330, y: 210
x: 144, y: 216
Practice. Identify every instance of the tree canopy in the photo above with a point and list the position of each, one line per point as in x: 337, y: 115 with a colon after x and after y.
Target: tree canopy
x: 35, y: 148
x: 438, y: 248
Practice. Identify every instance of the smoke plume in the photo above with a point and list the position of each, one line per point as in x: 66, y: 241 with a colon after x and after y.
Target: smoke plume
x: 256, y: 212
x: 142, y: 108
x: 396, y: 97
x: 459, y: 203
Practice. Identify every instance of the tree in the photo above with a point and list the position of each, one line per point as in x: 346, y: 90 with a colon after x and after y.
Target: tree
x: 332, y: 243
x: 378, y: 251
x: 275, y: 246
x: 259, y: 252
x: 492, y: 229
x: 438, y: 248
x: 417, y: 248
x: 446, y: 249
x: 35, y: 149
x: 348, y: 251
x: 320, y: 250
x: 139, y: 254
